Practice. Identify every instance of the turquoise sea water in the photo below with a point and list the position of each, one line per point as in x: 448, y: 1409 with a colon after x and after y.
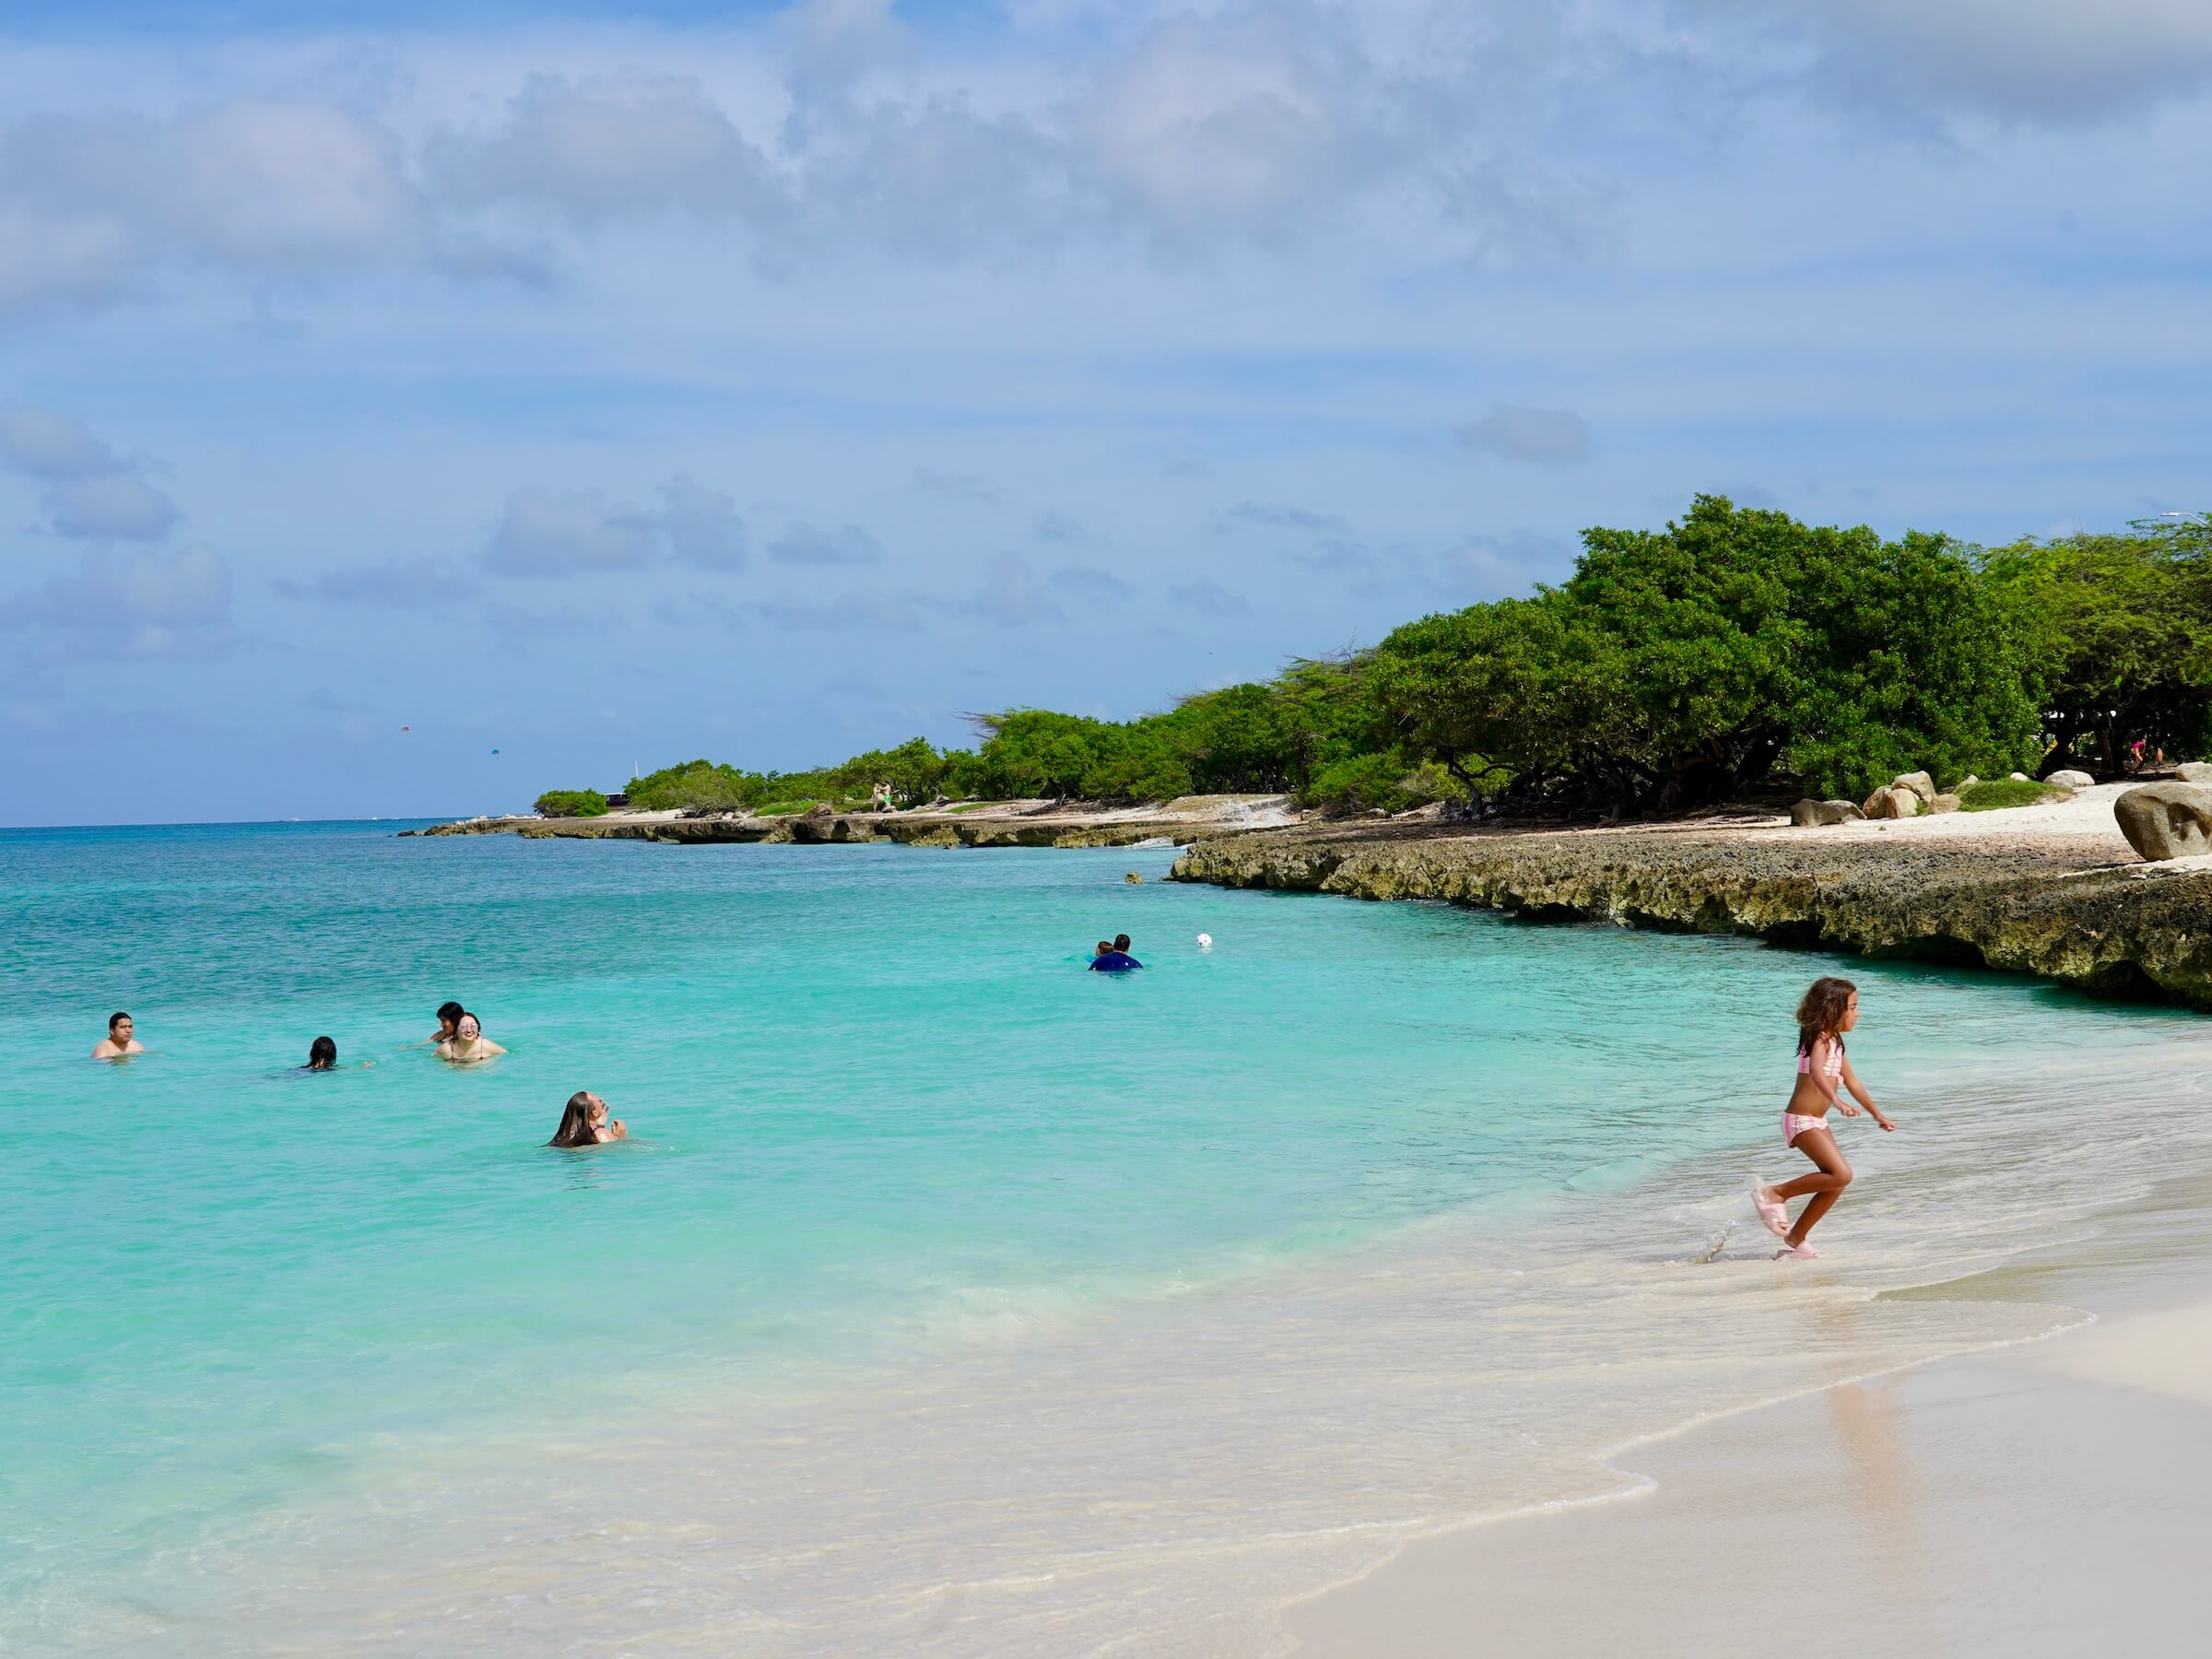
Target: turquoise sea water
x: 888, y: 1137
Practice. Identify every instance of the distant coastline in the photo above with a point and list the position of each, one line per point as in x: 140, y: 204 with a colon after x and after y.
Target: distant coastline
x: 2052, y: 890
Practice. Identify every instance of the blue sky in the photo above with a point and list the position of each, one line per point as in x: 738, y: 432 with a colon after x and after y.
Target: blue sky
x: 612, y: 386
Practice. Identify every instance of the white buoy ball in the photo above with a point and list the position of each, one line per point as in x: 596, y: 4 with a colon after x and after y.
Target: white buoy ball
x: 1205, y: 941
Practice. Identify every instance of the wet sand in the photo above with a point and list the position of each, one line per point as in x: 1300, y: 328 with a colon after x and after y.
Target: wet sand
x: 2053, y: 1499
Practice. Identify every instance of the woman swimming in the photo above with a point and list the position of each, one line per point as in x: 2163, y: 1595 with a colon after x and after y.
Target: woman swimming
x: 1830, y: 1009
x: 323, y: 1055
x: 584, y: 1122
x: 468, y: 1044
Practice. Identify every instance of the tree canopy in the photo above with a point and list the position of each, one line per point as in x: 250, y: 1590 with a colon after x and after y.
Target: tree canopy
x: 1732, y: 651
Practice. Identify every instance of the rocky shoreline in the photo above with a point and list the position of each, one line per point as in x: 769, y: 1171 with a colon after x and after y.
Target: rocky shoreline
x: 2066, y: 911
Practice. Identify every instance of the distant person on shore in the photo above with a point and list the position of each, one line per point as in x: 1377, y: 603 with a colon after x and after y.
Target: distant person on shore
x: 468, y: 1044
x: 118, y: 1044
x: 584, y: 1122
x: 1115, y: 958
x: 1830, y: 1009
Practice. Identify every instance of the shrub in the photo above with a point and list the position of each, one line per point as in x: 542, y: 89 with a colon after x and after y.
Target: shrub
x: 2001, y: 793
x: 571, y: 803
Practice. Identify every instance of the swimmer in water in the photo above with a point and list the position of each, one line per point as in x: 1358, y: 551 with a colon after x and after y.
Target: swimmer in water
x: 1830, y: 1009
x: 118, y: 1044
x: 1115, y: 958
x: 584, y: 1122
x: 449, y: 1019
x: 323, y: 1055
x: 468, y: 1044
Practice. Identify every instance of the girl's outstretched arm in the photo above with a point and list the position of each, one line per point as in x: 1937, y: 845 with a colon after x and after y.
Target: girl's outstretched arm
x: 1851, y: 1078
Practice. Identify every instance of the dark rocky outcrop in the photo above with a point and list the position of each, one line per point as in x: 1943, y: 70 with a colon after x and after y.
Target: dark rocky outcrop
x: 2059, y: 914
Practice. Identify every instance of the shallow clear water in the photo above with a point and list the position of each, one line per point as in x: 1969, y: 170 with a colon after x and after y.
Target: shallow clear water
x: 947, y: 1293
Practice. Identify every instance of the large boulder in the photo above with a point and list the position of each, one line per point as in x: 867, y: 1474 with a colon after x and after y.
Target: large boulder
x: 2070, y: 779
x: 2166, y: 820
x: 1945, y: 802
x: 1919, y: 782
x: 2194, y: 771
x: 1893, y: 802
x: 1814, y: 815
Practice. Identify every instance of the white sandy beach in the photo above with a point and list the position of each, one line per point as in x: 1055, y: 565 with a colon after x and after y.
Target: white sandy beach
x: 2053, y: 1499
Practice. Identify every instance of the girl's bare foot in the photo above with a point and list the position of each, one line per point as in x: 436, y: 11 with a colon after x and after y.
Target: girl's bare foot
x: 1803, y: 1252
x: 1772, y: 1216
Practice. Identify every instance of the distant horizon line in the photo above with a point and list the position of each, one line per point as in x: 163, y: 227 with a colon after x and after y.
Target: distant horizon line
x: 389, y: 817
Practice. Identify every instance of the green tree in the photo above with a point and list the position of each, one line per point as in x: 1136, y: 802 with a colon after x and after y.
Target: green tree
x: 2120, y: 628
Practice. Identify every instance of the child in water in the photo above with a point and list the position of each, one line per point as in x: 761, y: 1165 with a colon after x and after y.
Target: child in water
x: 1830, y: 1009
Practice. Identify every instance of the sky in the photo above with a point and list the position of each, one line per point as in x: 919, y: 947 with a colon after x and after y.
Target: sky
x: 408, y: 407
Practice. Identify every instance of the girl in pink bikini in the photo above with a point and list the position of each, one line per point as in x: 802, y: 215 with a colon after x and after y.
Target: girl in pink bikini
x: 1830, y: 1009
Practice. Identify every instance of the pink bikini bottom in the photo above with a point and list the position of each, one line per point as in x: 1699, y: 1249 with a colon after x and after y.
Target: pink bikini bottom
x: 1793, y: 1126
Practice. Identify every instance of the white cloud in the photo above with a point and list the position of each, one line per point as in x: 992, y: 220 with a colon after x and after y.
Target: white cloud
x: 132, y: 606
x: 577, y: 532
x: 97, y: 205
x: 2038, y: 60
x: 290, y: 186
x: 1209, y: 598
x: 803, y: 544
x: 1277, y: 515
x: 567, y: 533
x: 894, y: 613
x: 1011, y: 595
x: 110, y: 506
x: 91, y: 493
x: 1210, y: 130
x: 1555, y: 437
x: 702, y: 526
x: 602, y: 148
x: 396, y: 584
x: 1089, y: 583
x: 50, y: 445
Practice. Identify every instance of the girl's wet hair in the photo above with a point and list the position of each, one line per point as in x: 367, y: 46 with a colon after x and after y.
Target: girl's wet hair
x: 576, y: 1123
x: 322, y: 1055
x: 450, y: 1011
x: 1821, y: 1013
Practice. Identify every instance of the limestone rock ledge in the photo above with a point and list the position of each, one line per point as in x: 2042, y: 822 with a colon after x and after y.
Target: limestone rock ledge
x: 2126, y: 930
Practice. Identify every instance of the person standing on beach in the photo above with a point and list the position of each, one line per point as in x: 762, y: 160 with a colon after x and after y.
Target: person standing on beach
x: 1830, y: 1009
x: 118, y: 1043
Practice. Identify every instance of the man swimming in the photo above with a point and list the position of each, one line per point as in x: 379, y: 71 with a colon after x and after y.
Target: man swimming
x: 118, y: 1043
x: 1115, y: 958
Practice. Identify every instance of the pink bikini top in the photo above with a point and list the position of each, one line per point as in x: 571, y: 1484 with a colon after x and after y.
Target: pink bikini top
x: 1834, y: 1067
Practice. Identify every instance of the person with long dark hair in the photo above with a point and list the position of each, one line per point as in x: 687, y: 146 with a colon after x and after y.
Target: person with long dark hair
x: 1830, y: 1009
x: 584, y: 1122
x: 322, y: 1056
